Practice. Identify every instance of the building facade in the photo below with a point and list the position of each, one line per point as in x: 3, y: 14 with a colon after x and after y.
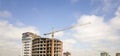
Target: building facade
x: 27, y: 43
x: 43, y: 47
x: 33, y: 45
x: 104, y: 54
x: 117, y: 54
x: 66, y: 54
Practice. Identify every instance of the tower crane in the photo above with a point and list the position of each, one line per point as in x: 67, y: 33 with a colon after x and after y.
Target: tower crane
x: 55, y: 31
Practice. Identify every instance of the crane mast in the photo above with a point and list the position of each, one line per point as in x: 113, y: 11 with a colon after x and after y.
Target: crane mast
x: 53, y: 32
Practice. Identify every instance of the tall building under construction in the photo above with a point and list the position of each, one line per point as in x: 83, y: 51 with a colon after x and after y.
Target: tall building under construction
x: 34, y: 45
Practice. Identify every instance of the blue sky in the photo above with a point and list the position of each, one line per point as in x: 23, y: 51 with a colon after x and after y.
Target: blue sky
x: 18, y: 16
x: 45, y: 14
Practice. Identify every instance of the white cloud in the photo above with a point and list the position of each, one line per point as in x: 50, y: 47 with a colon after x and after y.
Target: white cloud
x: 10, y: 38
x: 5, y: 14
x: 97, y: 30
x: 19, y: 24
x: 106, y: 6
x: 59, y: 34
x: 109, y: 5
x: 69, y: 42
x: 115, y: 22
x: 99, y: 35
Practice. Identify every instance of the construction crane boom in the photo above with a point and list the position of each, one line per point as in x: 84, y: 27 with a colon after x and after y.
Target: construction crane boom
x: 66, y: 28
x: 55, y: 31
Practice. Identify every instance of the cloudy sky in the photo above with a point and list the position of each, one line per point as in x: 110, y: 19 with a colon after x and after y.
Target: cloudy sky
x: 40, y: 16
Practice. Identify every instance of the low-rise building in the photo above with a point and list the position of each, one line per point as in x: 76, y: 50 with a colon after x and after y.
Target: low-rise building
x: 117, y: 54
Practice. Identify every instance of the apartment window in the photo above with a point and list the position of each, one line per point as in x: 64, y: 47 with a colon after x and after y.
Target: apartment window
x: 40, y: 45
x: 26, y: 52
x: 25, y: 55
x: 41, y: 42
x: 44, y: 48
x: 37, y: 52
x: 26, y: 47
x: 43, y: 51
x: 40, y: 48
x: 40, y: 51
x: 44, y: 44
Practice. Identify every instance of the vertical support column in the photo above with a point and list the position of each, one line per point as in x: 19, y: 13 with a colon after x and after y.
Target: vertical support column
x: 61, y: 49
x: 52, y: 44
